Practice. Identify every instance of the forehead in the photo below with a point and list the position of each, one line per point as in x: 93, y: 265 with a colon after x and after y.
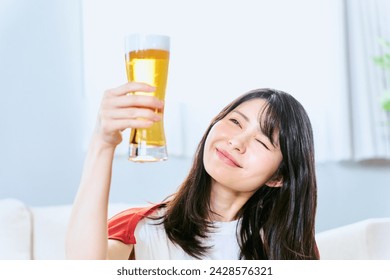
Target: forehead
x: 251, y: 108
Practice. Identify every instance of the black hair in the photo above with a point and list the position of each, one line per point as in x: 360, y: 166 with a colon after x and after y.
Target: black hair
x: 276, y: 223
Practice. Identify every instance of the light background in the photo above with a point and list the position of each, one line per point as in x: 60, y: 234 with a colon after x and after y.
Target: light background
x: 57, y: 57
x: 221, y: 49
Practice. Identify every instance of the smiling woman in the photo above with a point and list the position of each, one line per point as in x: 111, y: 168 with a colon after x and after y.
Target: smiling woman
x: 238, y: 141
x: 252, y: 185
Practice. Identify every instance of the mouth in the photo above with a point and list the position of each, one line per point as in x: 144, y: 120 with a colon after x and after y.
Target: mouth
x: 227, y: 158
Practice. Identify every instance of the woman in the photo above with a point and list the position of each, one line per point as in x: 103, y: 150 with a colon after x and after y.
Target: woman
x: 250, y: 194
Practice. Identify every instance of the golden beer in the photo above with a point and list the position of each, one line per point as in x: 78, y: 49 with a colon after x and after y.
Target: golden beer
x: 148, y: 64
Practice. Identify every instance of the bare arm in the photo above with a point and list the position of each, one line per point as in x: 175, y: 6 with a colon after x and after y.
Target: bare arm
x: 87, y: 230
x: 118, y: 250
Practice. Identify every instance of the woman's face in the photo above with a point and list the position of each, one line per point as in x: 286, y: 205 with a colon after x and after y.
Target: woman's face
x: 237, y: 155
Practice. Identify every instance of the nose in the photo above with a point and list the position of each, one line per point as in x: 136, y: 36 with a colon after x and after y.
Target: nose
x: 238, y: 142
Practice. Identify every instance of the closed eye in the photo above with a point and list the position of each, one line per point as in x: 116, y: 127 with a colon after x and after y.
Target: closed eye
x: 262, y: 143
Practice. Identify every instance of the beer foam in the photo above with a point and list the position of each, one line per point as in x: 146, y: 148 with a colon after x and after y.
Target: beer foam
x: 146, y: 41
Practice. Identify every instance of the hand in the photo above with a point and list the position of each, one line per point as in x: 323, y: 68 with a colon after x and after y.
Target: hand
x: 120, y: 110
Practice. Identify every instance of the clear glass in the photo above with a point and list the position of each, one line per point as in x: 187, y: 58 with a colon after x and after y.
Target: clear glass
x: 147, y: 61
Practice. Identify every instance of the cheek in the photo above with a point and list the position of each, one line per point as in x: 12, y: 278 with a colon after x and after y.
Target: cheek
x: 207, y: 149
x: 264, y: 166
x: 207, y: 144
x: 213, y: 136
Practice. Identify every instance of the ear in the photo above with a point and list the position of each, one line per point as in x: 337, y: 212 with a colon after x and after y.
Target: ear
x: 275, y: 182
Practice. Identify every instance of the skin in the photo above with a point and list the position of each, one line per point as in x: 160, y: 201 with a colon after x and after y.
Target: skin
x: 87, y: 231
x: 239, y: 158
x: 234, y: 181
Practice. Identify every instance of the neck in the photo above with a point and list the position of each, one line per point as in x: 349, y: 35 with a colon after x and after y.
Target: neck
x: 225, y: 203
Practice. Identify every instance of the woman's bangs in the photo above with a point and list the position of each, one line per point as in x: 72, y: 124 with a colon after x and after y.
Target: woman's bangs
x: 269, y: 122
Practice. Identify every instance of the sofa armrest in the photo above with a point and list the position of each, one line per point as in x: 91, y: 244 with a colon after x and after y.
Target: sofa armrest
x: 50, y: 226
x: 15, y: 230
x: 364, y: 240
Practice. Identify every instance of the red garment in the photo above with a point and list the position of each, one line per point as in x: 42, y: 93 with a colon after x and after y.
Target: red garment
x: 122, y: 225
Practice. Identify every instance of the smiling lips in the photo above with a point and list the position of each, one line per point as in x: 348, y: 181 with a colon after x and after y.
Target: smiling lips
x: 227, y: 158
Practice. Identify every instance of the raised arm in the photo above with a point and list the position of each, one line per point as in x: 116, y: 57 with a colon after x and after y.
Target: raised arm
x: 87, y: 230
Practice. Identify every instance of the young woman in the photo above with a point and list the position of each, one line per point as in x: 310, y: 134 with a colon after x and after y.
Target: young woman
x: 251, y: 192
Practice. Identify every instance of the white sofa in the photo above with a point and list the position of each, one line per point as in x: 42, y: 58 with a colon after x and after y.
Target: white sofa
x: 36, y: 232
x: 365, y: 240
x: 39, y: 233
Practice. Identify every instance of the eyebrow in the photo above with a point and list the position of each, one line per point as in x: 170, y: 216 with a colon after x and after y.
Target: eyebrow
x: 245, y: 117
x: 242, y: 115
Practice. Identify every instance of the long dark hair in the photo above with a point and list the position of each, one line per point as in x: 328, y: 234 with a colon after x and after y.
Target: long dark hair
x: 276, y: 222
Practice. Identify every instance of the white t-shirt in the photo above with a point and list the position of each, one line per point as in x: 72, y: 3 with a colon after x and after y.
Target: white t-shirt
x: 153, y: 243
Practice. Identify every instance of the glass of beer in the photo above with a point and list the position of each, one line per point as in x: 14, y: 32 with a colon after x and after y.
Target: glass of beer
x: 147, y: 60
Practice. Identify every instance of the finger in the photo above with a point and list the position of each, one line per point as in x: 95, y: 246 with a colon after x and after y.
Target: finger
x: 144, y: 101
x: 122, y: 124
x: 130, y: 87
x: 132, y: 113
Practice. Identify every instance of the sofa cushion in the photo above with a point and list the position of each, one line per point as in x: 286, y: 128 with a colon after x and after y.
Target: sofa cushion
x: 49, y: 230
x: 364, y: 240
x: 50, y: 227
x: 378, y: 240
x: 15, y: 230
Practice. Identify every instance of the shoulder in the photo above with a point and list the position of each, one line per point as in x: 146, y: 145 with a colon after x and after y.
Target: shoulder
x: 122, y: 226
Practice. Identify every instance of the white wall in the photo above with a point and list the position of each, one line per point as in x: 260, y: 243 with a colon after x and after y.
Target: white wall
x: 221, y: 49
x: 42, y: 104
x: 44, y: 126
x: 350, y: 192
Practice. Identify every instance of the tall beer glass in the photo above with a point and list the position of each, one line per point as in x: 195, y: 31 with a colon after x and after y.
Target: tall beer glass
x: 147, y: 60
